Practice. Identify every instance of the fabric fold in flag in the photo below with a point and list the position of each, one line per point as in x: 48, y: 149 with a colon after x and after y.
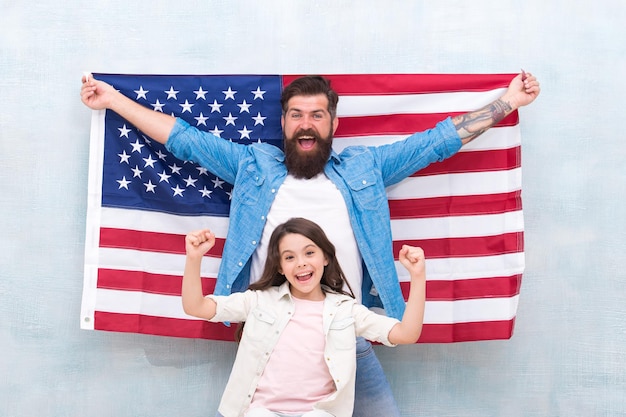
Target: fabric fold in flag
x: 466, y: 212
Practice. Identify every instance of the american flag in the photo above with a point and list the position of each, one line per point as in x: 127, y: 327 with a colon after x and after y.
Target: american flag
x: 465, y: 212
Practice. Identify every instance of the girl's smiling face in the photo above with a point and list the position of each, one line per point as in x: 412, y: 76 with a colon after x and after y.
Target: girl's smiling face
x: 302, y: 262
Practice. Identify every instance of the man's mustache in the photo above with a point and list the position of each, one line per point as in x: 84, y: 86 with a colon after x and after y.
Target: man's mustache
x: 307, y: 132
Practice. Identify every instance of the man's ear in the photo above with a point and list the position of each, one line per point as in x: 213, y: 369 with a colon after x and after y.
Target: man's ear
x: 282, y: 121
x: 335, y: 124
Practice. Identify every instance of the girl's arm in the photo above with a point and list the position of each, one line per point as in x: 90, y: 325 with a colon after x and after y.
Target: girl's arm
x: 410, y: 328
x: 194, y: 302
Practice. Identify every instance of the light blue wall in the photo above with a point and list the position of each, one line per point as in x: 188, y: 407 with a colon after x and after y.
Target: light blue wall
x: 568, y: 354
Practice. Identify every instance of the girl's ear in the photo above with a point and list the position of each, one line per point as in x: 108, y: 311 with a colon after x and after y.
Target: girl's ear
x: 325, y: 261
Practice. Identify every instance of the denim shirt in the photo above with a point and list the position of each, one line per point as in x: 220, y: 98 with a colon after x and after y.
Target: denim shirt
x: 266, y: 314
x: 361, y: 173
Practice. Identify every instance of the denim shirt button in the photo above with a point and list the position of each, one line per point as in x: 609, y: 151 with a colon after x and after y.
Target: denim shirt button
x: 364, y: 182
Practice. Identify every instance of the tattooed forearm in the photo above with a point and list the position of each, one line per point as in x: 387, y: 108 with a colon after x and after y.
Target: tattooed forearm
x: 473, y: 124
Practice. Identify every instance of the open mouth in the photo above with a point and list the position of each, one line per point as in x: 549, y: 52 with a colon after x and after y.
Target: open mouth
x: 304, y: 276
x: 306, y: 142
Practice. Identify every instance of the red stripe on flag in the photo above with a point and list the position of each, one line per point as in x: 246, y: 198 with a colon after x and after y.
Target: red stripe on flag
x: 149, y: 241
x: 466, y: 289
x: 461, y: 247
x: 119, y: 279
x: 467, y: 332
x: 461, y: 289
x: 163, y: 326
x: 369, y: 84
x: 476, y: 161
x: 400, y: 124
x: 455, y: 205
x: 434, y: 247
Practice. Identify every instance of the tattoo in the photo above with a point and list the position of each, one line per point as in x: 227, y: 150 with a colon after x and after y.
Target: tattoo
x: 473, y: 124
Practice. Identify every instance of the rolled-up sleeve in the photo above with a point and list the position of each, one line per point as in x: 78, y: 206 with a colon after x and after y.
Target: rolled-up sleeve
x: 400, y: 159
x: 373, y: 326
x: 234, y: 307
x: 218, y: 155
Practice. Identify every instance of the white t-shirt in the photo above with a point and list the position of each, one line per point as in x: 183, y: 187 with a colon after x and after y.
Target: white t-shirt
x: 318, y: 200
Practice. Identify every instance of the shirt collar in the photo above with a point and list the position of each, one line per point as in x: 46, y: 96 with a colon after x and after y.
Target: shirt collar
x: 334, y: 156
x: 283, y: 290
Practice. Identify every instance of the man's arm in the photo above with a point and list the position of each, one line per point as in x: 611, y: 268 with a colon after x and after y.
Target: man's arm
x: 99, y: 95
x: 523, y: 90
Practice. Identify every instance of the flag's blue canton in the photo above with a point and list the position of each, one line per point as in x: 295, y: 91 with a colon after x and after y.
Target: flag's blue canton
x: 139, y: 173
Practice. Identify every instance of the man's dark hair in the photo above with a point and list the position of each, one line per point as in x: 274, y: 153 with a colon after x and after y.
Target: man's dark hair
x: 310, y: 85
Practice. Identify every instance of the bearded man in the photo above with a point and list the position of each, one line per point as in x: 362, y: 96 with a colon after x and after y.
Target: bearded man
x: 344, y: 193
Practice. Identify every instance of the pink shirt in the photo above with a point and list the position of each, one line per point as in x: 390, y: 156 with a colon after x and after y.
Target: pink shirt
x: 290, y: 389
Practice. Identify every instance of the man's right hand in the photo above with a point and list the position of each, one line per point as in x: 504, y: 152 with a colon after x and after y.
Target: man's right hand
x: 97, y: 95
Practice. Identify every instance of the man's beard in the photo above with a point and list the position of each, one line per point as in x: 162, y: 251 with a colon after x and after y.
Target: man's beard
x: 309, y: 164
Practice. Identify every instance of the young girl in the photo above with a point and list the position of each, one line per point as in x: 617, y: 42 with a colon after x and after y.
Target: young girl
x: 297, y: 354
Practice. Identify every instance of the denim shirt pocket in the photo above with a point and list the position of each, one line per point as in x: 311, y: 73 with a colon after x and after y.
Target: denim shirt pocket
x: 250, y: 184
x: 364, y: 188
x: 341, y: 333
x: 259, y: 323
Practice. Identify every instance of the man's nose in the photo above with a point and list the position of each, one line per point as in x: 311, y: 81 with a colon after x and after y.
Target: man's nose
x: 306, y: 122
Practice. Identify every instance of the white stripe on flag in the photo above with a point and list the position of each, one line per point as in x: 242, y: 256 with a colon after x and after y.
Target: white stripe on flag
x: 457, y: 226
x: 504, y: 137
x: 450, y: 269
x: 469, y: 183
x: 365, y: 105
x: 402, y: 229
x: 437, y: 312
x: 153, y: 262
x: 467, y: 311
x: 152, y: 221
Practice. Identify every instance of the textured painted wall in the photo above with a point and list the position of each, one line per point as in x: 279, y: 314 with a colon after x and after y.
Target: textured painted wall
x: 568, y: 354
